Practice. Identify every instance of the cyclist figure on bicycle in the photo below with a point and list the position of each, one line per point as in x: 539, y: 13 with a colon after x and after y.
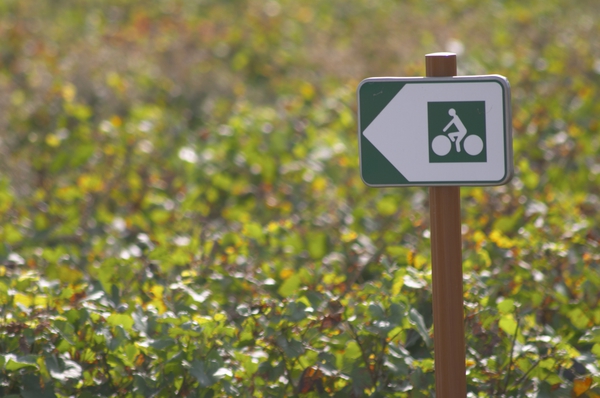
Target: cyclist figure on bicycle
x: 457, y: 136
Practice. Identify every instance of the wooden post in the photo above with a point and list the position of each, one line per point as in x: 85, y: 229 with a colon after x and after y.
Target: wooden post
x: 446, y: 261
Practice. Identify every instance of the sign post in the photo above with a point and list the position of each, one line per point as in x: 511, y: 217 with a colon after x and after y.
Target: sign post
x: 446, y: 269
x: 442, y: 131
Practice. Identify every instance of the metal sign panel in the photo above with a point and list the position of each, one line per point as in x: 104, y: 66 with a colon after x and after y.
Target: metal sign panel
x: 435, y: 131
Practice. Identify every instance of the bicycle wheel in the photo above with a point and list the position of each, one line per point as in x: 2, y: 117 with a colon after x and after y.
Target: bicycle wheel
x: 473, y: 145
x: 441, y: 145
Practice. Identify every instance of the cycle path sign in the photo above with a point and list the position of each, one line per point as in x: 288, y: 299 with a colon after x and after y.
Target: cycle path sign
x: 435, y: 131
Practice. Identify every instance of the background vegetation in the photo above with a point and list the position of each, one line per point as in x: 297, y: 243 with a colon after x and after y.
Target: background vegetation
x: 181, y: 212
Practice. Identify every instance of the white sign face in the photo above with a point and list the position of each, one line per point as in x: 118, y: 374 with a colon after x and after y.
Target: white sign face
x: 435, y: 131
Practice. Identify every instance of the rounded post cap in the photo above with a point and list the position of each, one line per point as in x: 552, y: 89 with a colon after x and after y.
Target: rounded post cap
x: 440, y: 64
x: 441, y: 54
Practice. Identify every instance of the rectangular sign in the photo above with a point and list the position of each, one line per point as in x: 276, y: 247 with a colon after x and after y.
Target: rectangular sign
x: 435, y: 131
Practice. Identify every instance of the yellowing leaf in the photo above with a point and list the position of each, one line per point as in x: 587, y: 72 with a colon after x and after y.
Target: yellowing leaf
x: 286, y: 273
x: 40, y: 301
x: 397, y: 286
x: 426, y: 365
x: 90, y: 183
x: 419, y: 261
x: 157, y: 291
x: 349, y: 236
x: 189, y: 274
x: 479, y: 237
x: 307, y: 91
x: 52, y: 140
x: 201, y: 320
x: 159, y: 305
x: 581, y: 385
x: 68, y: 275
x: 219, y: 317
x: 116, y: 121
x: 23, y: 299
x: 68, y: 92
x: 272, y: 227
x: 499, y: 239
x: 319, y: 184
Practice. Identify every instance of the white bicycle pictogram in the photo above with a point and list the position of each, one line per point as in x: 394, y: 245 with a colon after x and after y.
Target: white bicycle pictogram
x: 442, y: 144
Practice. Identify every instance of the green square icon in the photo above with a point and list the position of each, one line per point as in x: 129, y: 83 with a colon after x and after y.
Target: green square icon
x: 457, y: 132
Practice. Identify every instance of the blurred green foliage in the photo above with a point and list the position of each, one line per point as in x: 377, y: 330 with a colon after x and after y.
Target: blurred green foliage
x: 181, y: 212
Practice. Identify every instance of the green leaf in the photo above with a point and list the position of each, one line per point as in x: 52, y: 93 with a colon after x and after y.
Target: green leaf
x: 161, y: 344
x: 348, y: 357
x: 201, y: 372
x: 292, y: 348
x: 67, y: 370
x: 417, y: 320
x: 295, y: 311
x: 290, y: 286
x: 124, y: 320
x: 578, y: 318
x: 317, y: 245
x: 352, y: 350
x: 66, y: 331
x: 254, y: 231
x: 223, y: 372
x: 596, y: 350
x: 270, y: 372
x: 397, y: 313
x: 14, y: 363
x: 506, y: 306
x: 131, y: 351
x: 32, y: 387
x: 591, y: 336
x: 387, y: 206
x: 376, y: 311
x: 508, y: 324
